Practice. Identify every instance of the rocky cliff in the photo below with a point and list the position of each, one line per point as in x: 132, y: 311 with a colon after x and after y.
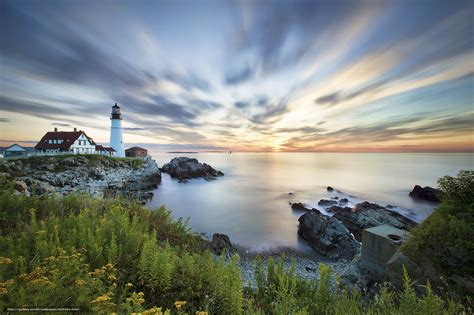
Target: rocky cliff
x: 92, y: 174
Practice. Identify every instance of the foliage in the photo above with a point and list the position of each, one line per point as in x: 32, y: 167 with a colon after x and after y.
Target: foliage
x: 447, y: 235
x: 114, y: 255
x: 280, y: 291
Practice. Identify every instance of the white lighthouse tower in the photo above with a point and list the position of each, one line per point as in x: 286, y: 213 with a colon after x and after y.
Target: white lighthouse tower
x: 116, y: 138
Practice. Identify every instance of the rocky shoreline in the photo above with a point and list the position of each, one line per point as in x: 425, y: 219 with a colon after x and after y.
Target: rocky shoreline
x: 98, y: 176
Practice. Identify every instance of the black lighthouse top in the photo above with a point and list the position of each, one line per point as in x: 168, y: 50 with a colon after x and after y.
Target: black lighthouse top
x: 116, y: 112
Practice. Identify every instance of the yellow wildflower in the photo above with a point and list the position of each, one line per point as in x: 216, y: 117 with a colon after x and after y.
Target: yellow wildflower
x: 129, y: 285
x: 80, y: 282
x: 103, y: 298
x: 153, y: 311
x: 179, y: 304
x: 50, y: 258
x: 96, y: 272
x: 201, y: 313
x: 109, y: 266
x: 5, y: 261
x: 112, y: 278
x: 3, y: 291
x: 7, y: 283
x: 141, y: 294
x: 39, y: 281
x: 36, y: 274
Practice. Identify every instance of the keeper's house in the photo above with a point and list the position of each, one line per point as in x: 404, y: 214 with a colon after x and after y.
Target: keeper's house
x: 70, y: 142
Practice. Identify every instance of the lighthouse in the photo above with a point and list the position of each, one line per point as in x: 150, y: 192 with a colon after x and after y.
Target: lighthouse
x: 116, y: 138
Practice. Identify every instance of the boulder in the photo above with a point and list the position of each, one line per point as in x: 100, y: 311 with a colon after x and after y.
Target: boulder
x: 343, y: 201
x: 366, y: 215
x: 338, y: 208
x: 327, y: 235
x: 329, y: 188
x: 20, y: 186
x: 426, y: 193
x: 299, y: 206
x: 184, y: 168
x: 326, y: 202
x: 221, y: 242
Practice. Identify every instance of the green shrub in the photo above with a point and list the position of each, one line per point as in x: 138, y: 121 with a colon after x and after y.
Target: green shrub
x: 446, y: 237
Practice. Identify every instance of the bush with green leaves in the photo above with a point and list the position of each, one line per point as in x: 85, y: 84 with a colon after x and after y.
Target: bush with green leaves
x: 446, y: 237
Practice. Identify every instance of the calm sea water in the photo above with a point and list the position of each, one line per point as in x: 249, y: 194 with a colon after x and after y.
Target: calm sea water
x: 251, y: 202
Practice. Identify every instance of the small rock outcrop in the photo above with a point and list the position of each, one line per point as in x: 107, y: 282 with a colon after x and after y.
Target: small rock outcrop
x: 326, y: 202
x: 329, y: 188
x: 221, y: 242
x: 426, y: 193
x: 366, y: 215
x: 184, y: 168
x: 338, y: 209
x: 327, y: 235
x: 298, y: 206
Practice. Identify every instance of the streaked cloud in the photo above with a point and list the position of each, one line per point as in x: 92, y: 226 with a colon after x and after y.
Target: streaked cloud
x: 281, y: 75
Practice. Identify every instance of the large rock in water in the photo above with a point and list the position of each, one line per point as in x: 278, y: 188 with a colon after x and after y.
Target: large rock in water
x: 366, y: 215
x: 426, y: 193
x: 184, y: 168
x: 327, y: 235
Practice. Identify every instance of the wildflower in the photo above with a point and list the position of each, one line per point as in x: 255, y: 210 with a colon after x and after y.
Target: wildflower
x: 109, y: 266
x: 179, y: 304
x: 50, y: 259
x: 3, y: 291
x: 103, y: 298
x: 152, y: 311
x: 141, y: 294
x: 112, y: 278
x: 7, y: 283
x: 201, y: 313
x: 96, y: 272
x: 5, y: 261
x: 39, y: 281
x: 80, y: 282
x: 129, y: 285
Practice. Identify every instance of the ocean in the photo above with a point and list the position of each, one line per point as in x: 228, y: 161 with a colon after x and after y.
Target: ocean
x: 251, y: 203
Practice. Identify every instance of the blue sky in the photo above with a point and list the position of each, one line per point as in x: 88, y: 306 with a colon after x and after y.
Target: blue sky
x: 247, y: 75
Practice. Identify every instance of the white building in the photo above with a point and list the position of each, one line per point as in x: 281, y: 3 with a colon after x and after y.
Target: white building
x: 69, y: 142
x: 116, y: 137
x: 15, y: 150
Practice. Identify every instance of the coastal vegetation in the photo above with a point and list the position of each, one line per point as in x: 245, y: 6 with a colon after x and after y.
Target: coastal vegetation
x: 114, y: 255
x: 445, y: 239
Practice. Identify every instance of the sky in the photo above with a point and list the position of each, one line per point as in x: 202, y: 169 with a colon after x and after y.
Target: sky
x: 277, y: 76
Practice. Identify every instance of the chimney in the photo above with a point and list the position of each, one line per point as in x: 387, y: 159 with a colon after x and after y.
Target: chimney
x: 75, y: 129
x: 55, y: 129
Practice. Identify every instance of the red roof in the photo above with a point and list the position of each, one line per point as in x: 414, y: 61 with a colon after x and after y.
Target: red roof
x: 109, y: 149
x: 68, y: 138
x: 99, y: 148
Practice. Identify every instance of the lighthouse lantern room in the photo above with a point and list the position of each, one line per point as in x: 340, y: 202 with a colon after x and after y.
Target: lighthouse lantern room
x: 116, y: 137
